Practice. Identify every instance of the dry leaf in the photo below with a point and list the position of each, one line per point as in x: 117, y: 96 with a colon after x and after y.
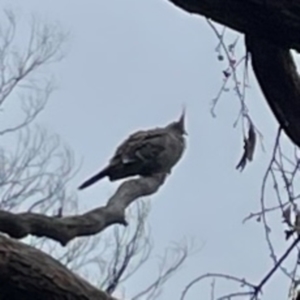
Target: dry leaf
x: 249, y: 146
x: 297, y: 222
x: 286, y: 214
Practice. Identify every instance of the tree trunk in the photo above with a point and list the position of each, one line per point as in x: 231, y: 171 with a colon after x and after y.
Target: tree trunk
x: 29, y: 274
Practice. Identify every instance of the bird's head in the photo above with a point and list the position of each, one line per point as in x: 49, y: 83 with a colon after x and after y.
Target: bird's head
x: 178, y: 126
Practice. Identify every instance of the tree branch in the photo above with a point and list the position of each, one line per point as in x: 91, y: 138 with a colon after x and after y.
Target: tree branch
x: 27, y: 273
x: 271, y: 29
x: 274, y: 20
x: 65, y: 229
x: 277, y: 75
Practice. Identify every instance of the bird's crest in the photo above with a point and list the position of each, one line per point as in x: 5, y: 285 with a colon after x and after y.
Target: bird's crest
x: 179, y: 125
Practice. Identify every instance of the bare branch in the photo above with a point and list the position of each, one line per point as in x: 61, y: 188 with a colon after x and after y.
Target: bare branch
x: 242, y: 282
x: 33, y: 177
x: 65, y: 229
x: 259, y: 287
x: 179, y: 254
x: 19, y: 68
x: 130, y: 253
x: 240, y: 85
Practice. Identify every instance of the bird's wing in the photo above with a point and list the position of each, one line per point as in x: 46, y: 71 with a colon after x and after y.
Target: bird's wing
x: 141, y: 146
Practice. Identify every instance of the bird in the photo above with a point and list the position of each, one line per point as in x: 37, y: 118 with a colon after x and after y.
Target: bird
x: 145, y: 153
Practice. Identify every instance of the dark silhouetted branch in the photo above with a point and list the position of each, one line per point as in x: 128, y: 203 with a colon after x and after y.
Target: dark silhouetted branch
x: 64, y: 229
x: 271, y: 29
x: 277, y: 21
x: 27, y: 273
x: 277, y: 75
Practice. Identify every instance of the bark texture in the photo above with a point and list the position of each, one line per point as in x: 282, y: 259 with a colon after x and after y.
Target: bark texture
x: 272, y: 28
x: 29, y: 274
x: 64, y: 229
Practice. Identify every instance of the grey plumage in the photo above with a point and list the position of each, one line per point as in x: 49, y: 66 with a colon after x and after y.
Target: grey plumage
x: 145, y: 153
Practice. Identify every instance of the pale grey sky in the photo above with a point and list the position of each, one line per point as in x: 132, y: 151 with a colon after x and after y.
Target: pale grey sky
x: 132, y: 64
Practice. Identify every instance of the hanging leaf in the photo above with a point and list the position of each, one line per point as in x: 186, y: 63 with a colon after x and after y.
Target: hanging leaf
x: 286, y: 215
x: 249, y: 146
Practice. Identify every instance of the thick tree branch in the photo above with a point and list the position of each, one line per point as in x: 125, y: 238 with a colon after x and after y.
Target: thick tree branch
x: 274, y: 20
x: 65, y: 229
x: 27, y: 273
x: 277, y: 75
x: 273, y: 26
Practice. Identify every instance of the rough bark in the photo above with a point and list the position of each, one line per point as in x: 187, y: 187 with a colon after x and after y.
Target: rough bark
x: 272, y: 28
x: 64, y: 229
x: 29, y: 274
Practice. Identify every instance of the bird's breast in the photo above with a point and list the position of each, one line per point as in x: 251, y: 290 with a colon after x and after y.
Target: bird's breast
x: 174, y: 149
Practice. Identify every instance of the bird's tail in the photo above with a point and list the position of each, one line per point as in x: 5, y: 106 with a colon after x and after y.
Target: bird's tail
x: 94, y: 179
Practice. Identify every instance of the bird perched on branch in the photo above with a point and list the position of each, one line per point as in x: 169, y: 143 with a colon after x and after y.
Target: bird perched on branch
x: 145, y: 153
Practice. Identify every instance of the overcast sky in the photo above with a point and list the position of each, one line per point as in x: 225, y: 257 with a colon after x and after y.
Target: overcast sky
x: 132, y: 64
